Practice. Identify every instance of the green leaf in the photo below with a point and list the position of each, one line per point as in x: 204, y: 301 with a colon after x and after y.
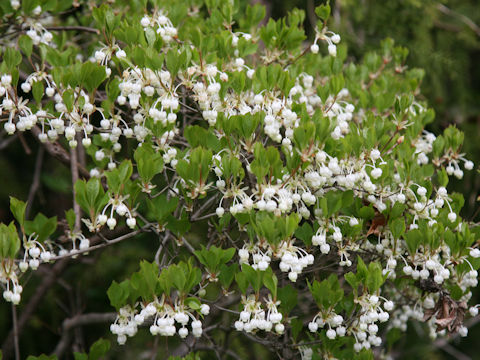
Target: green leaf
x: 397, y: 227
x: 327, y: 293
x: 118, y: 294
x: 12, y: 58
x: 68, y: 99
x: 242, y: 282
x: 9, y: 241
x: 17, y: 207
x: 80, y: 356
x: 90, y: 195
x: 178, y: 279
x: 160, y: 207
x: 352, y: 280
x: 366, y: 212
x: 145, y: 281
x: 305, y: 233
x: 38, y: 91
x: 149, y: 162
x: 253, y: 276
x: 375, y: 278
x: 362, y: 271
x: 296, y: 326
x: 193, y: 303
x: 288, y: 296
x: 42, y: 357
x: 227, y: 274
x: 92, y: 75
x: 71, y: 217
x: 41, y: 226
x: 99, y: 349
x: 178, y: 226
x: 397, y: 210
x: 117, y: 178
x: 413, y: 238
x: 323, y: 11
x: 26, y: 45
x: 173, y: 65
x: 270, y: 281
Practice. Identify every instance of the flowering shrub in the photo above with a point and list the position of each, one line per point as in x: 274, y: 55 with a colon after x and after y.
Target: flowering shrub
x: 295, y: 196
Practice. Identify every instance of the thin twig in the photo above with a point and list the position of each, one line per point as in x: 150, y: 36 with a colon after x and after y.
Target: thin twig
x: 204, y: 217
x: 102, y: 245
x: 76, y: 321
x: 25, y: 146
x: 74, y: 169
x: 466, y: 20
x: 205, y: 205
x: 457, y: 354
x: 15, y: 332
x: 31, y: 306
x: 36, y: 180
x: 73, y: 28
x: 58, y: 152
x: 5, y: 142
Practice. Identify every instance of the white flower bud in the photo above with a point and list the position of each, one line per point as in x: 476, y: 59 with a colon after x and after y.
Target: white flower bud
x: 111, y: 223
x: 131, y: 222
x: 332, y: 50
x: 452, y: 217
x: 331, y: 334
x: 388, y: 305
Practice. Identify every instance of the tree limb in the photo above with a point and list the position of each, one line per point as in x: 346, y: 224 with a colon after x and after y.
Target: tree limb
x: 58, y: 152
x: 79, y: 320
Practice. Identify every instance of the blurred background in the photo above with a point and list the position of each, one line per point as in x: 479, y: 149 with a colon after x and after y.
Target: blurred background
x: 443, y: 38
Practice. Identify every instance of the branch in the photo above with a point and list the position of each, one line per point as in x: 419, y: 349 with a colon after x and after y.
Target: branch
x: 101, y: 245
x: 6, y: 141
x: 73, y: 28
x: 76, y: 206
x: 58, y: 152
x: 466, y: 20
x: 15, y: 332
x: 36, y: 180
x: 79, y: 320
x: 31, y: 306
x: 455, y: 352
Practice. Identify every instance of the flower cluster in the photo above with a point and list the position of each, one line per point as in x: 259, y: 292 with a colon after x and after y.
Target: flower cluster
x: 333, y: 321
x: 8, y: 276
x: 117, y: 205
x: 161, y: 24
x: 163, y: 316
x: 253, y: 317
x: 365, y: 327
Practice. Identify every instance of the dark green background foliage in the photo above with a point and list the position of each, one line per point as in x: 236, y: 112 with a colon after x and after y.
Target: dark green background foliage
x: 442, y: 38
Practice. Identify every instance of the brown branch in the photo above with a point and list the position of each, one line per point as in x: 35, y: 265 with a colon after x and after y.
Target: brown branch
x: 5, y: 142
x: 76, y: 207
x: 73, y: 28
x: 58, y: 152
x: 76, y: 321
x: 25, y: 146
x: 466, y: 20
x: 101, y: 245
x: 31, y: 306
x: 15, y: 332
x: 36, y: 180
